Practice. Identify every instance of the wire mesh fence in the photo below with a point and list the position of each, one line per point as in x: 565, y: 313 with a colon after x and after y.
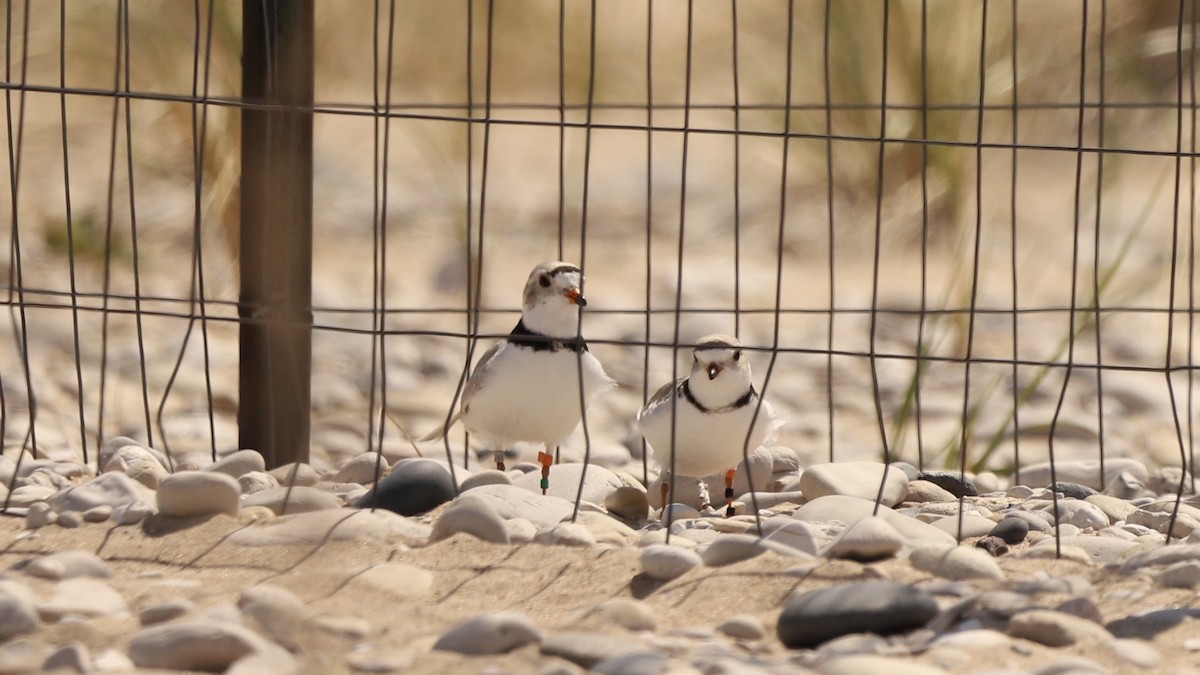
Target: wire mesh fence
x: 957, y: 234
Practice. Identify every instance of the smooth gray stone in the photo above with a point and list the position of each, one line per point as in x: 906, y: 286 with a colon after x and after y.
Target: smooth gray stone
x: 361, y: 469
x: 485, y: 477
x: 635, y: 663
x: 496, y: 633
x: 114, y: 489
x: 1011, y: 530
x: 565, y: 478
x: 471, y: 515
x: 882, y: 607
x: 512, y: 502
x: 412, y: 488
x: 731, y: 548
x: 17, y: 613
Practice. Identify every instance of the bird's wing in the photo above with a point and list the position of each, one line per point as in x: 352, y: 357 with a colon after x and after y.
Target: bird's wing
x: 663, y: 395
x: 478, y: 375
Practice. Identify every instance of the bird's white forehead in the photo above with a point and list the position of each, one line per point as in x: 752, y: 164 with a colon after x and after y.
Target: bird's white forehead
x: 715, y: 354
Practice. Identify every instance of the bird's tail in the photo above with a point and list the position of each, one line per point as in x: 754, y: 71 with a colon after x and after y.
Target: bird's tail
x: 441, y: 430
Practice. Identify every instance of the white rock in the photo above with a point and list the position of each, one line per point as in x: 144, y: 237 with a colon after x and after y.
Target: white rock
x: 489, y: 634
x: 972, y: 525
x: 511, y: 502
x: 955, y: 562
x: 113, y: 489
x: 1103, y: 550
x: 854, y: 479
x: 922, y: 491
x: 256, y: 481
x: 732, y: 548
x: 194, y: 645
x: 1082, y: 514
x: 520, y: 531
x: 743, y: 627
x: 797, y: 534
x: 664, y: 562
x: 849, y: 509
x: 295, y: 474
x: 131, y: 514
x: 867, y: 539
x: 165, y: 611
x: 627, y: 613
x: 72, y: 657
x: 190, y: 494
x: 486, y: 477
x: 1137, y: 652
x: 361, y: 469
x: 113, y: 660
x: 564, y: 482
x: 288, y: 501
x: 40, y: 515
x: 471, y: 515
x: 239, y: 463
x: 870, y: 664
x: 82, y: 596
x: 22, y: 656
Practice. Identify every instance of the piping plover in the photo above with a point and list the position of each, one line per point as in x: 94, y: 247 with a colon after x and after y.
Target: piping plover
x: 714, y: 407
x: 526, y: 387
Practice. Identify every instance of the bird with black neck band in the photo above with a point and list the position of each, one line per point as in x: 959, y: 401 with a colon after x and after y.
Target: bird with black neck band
x: 527, y: 386
x: 700, y: 424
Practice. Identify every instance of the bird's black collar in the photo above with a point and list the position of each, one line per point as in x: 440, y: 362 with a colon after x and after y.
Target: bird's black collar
x: 524, y: 337
x: 740, y: 403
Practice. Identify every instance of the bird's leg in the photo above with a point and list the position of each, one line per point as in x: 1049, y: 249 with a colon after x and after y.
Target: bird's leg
x: 729, y: 491
x: 702, y: 486
x: 665, y: 491
x: 499, y: 455
x: 546, y: 459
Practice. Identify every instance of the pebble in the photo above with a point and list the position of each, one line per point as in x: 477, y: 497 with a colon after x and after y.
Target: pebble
x: 1074, y: 490
x: 968, y: 525
x: 511, y: 502
x: 194, y: 645
x: 470, y: 515
x: 495, y: 633
x: 598, y: 482
x: 380, y: 660
x: 1056, y: 629
x: 70, y: 519
x: 486, y: 477
x: 743, y: 627
x: 848, y: 509
x: 732, y: 548
x: 98, y: 514
x: 854, y: 479
x: 239, y: 463
x: 112, y: 489
x: 628, y: 502
x: 797, y: 534
x: 189, y: 494
x: 995, y: 546
x: 871, y: 664
x: 1011, y: 530
x: 664, y: 562
x: 956, y: 484
x: 1138, y: 653
x: 866, y: 540
x: 295, y: 474
x: 812, y: 617
x: 955, y: 562
x: 165, y: 611
x: 361, y: 469
x: 40, y: 515
x: 72, y: 657
x: 1185, y: 574
x: 412, y: 488
x: 637, y: 663
x: 287, y: 501
x: 923, y: 491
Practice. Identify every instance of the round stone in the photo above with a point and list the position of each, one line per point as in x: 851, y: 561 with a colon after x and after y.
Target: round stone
x: 198, y: 493
x: 412, y: 488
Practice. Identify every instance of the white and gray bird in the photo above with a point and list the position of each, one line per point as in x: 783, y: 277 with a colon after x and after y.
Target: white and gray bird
x: 713, y: 407
x: 526, y: 387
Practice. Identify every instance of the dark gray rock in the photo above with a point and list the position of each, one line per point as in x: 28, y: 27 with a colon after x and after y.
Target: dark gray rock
x: 1011, y: 530
x: 412, y: 488
x: 881, y: 607
x: 1074, y: 490
x: 959, y: 486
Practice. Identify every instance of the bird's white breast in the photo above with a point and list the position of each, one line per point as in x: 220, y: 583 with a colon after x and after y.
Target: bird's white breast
x: 707, y: 442
x: 532, y: 396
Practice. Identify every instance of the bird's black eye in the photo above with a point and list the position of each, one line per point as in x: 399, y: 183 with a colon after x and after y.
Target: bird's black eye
x: 544, y: 281
x: 737, y: 355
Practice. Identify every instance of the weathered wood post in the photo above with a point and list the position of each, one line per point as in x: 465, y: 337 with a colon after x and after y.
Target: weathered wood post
x: 275, y: 303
